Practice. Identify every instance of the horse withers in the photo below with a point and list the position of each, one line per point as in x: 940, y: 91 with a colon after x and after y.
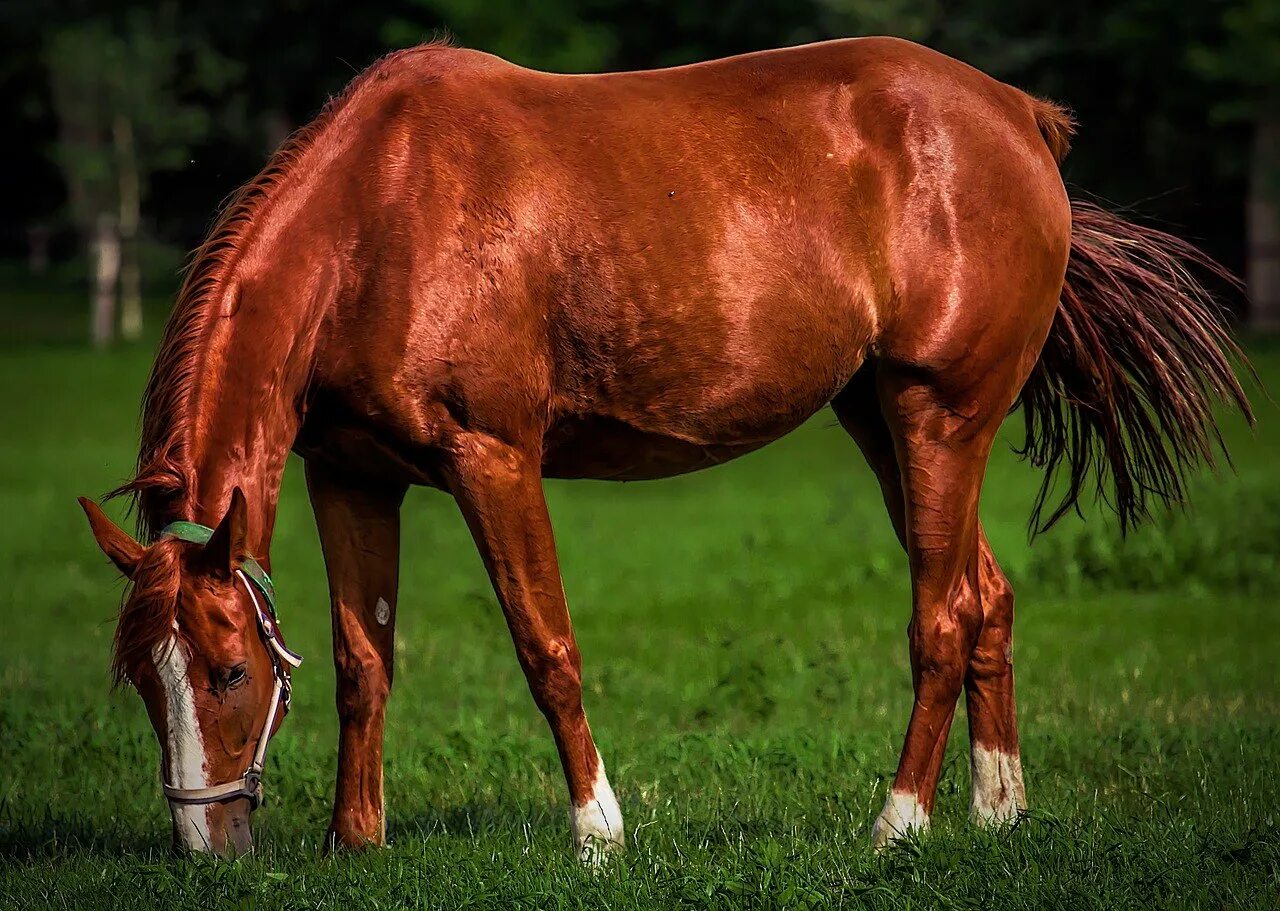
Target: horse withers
x: 471, y: 276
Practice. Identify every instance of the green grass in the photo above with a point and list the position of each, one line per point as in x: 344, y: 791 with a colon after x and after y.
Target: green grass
x: 746, y: 668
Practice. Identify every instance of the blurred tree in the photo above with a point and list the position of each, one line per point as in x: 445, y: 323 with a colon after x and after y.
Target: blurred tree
x: 1246, y: 65
x: 76, y: 59
x: 119, y: 93
x: 917, y: 20
x: 1170, y: 93
x: 550, y: 34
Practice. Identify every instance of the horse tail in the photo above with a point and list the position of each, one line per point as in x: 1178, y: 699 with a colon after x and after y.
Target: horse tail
x: 1056, y: 126
x: 1136, y: 360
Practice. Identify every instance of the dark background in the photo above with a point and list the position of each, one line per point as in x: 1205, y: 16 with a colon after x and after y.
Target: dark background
x: 745, y: 659
x: 1177, y: 99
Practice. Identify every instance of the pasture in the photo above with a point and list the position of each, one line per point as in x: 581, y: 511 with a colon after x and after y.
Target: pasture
x: 747, y: 680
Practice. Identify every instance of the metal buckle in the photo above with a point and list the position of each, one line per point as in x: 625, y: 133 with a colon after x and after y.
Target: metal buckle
x: 253, y: 787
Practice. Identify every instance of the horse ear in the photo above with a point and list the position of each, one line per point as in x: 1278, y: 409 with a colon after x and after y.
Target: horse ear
x: 116, y: 543
x: 226, y: 550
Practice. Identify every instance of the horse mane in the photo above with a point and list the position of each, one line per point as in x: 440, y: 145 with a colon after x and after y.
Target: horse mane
x: 149, y: 612
x: 164, y: 478
x: 164, y: 475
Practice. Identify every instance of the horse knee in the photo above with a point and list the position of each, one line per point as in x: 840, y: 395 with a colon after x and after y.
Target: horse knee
x: 364, y: 685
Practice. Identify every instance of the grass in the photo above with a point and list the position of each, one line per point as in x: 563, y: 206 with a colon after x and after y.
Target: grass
x: 742, y: 632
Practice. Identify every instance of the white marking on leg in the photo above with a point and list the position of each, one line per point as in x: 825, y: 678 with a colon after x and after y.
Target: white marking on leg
x: 382, y: 612
x: 185, y: 767
x: 902, y: 815
x: 998, y: 792
x: 597, y: 824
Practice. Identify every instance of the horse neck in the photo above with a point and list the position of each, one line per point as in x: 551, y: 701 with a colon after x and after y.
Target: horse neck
x: 247, y: 409
x: 256, y: 341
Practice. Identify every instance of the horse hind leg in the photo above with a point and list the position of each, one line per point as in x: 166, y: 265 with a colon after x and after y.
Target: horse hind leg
x: 930, y: 467
x: 995, y: 760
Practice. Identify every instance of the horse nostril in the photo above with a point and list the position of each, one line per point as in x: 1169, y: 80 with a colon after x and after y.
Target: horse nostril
x: 239, y: 835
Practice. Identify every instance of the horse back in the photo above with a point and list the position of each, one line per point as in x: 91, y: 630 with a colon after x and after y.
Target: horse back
x: 698, y: 257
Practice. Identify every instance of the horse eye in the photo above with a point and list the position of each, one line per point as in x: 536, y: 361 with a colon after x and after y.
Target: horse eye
x: 235, y: 676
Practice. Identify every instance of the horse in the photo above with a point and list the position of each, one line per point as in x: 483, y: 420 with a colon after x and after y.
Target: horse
x: 471, y: 276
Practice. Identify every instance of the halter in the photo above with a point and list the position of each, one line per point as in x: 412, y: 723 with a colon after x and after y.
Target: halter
x: 256, y: 581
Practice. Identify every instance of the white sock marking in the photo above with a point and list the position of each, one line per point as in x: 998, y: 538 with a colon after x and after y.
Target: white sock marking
x: 597, y: 824
x: 998, y: 793
x: 186, y: 745
x: 901, y: 816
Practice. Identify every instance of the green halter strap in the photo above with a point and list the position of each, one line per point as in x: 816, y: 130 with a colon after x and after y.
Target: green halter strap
x: 200, y: 534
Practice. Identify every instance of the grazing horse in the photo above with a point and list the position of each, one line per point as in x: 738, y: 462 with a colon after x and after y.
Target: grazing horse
x: 471, y: 276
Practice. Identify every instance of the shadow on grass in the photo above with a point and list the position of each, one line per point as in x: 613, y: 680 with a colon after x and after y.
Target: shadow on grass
x: 63, y: 837
x: 36, y: 841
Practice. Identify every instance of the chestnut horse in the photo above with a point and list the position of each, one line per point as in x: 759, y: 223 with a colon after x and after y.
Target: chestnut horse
x: 471, y: 276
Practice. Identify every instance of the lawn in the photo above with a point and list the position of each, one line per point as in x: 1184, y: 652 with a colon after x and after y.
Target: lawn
x: 743, y: 640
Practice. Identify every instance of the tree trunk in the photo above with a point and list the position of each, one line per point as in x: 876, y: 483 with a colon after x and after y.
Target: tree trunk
x: 106, y: 263
x: 1263, y: 225
x: 130, y: 191
x: 38, y: 248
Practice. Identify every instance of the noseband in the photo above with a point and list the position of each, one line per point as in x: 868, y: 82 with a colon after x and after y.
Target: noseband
x: 256, y: 582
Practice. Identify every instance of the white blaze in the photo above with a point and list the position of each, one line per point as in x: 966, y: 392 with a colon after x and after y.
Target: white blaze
x: 901, y: 816
x: 185, y: 755
x: 597, y: 824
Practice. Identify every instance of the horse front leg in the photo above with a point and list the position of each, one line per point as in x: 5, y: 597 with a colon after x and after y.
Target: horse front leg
x: 359, y: 524
x: 499, y: 490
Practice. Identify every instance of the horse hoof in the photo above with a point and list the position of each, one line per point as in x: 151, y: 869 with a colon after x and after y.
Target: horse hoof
x: 336, y: 842
x: 596, y: 852
x: 902, y: 817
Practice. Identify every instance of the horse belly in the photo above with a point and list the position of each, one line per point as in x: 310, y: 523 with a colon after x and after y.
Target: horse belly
x: 605, y: 449
x: 702, y: 398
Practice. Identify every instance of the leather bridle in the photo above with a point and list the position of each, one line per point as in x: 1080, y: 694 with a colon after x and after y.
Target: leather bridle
x: 256, y: 581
